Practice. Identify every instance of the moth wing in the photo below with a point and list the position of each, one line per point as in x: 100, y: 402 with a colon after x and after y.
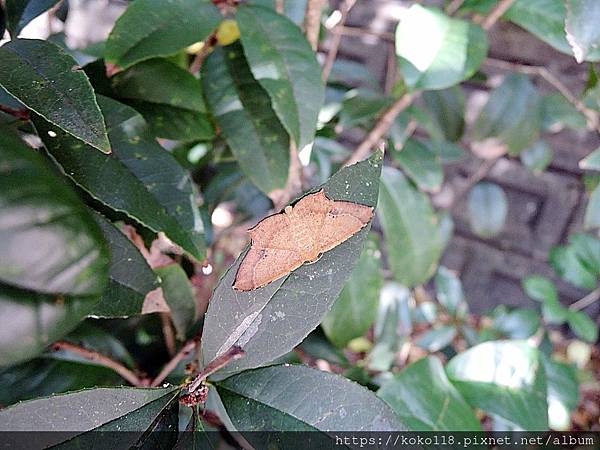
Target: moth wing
x: 261, y: 266
x: 341, y: 223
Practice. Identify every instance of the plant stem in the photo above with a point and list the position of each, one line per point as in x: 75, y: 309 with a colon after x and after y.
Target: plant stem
x: 336, y: 37
x: 22, y: 114
x: 496, y: 14
x: 586, y: 301
x: 219, y: 362
x: 454, y: 6
x: 485, y: 168
x: 312, y: 21
x: 101, y: 359
x: 168, y: 333
x: 183, y: 353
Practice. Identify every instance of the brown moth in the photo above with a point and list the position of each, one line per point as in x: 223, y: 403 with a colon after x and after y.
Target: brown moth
x: 283, y: 242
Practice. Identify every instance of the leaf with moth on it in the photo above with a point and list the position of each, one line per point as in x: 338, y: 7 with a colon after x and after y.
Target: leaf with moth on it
x: 283, y: 242
x: 270, y: 321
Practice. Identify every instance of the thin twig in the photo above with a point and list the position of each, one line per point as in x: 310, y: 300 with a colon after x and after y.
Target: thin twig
x: 591, y: 115
x: 201, y: 56
x: 454, y: 6
x: 382, y: 126
x: 485, y: 168
x: 168, y: 333
x: 356, y: 31
x: 586, y: 301
x: 219, y: 362
x: 336, y: 37
x: 183, y: 353
x: 496, y: 14
x: 101, y: 359
x: 312, y: 21
x: 22, y: 114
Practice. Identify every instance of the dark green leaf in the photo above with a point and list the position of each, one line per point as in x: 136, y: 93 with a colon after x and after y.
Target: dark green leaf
x: 591, y: 161
x: 519, y: 323
x: 317, y: 346
x: 242, y: 110
x: 565, y: 262
x: 581, y: 26
x: 583, y: 327
x: 134, y: 169
x: 151, y: 28
x: 587, y: 249
x: 546, y: 20
x: 130, y: 277
x: 20, y: 12
x: 254, y: 402
x: 35, y: 321
x: 488, y: 208
x: 504, y: 378
x: 437, y: 338
x: 558, y: 113
x: 563, y: 393
x: 540, y: 288
x: 362, y: 107
x: 424, y: 399
x: 421, y: 164
x: 355, y: 310
x: 537, y: 157
x: 450, y: 292
x: 47, y: 80
x: 592, y: 210
x: 179, y: 295
x: 49, y: 242
x: 410, y: 228
x: 168, y: 96
x: 512, y: 115
x: 447, y: 108
x: 270, y: 321
x: 436, y: 51
x: 282, y: 61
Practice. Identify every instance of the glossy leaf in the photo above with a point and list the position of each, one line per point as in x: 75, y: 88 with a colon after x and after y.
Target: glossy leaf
x: 583, y: 327
x: 436, y: 51
x: 581, y: 26
x: 130, y: 277
x: 421, y: 164
x: 537, y: 157
x: 37, y: 207
x: 168, y: 96
x: 282, y: 61
x: 179, y: 295
x: 355, y: 310
x: 504, y: 378
x: 558, y: 113
x: 48, y: 81
x: 566, y: 263
x: 587, y: 250
x: 134, y: 167
x: 563, y: 393
x: 270, y: 321
x: 447, y: 107
x: 437, y: 338
x: 546, y: 20
x: 519, y: 323
x: 449, y: 292
x: 362, y: 107
x: 254, y: 402
x: 540, y: 288
x: 488, y: 209
x: 425, y: 400
x: 36, y: 320
x: 151, y: 28
x: 242, y: 109
x: 410, y: 228
x: 20, y: 12
x: 511, y: 116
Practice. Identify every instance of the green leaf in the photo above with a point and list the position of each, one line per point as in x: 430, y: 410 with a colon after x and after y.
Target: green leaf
x: 563, y: 393
x: 49, y: 242
x: 512, y: 115
x: 36, y: 320
x: 554, y: 312
x: 592, y: 210
x: 519, y: 323
x: 254, y: 402
x: 122, y: 409
x: 537, y: 157
x: 449, y: 292
x: 421, y: 164
x: 49, y: 82
x: 243, y: 111
x: 447, y: 108
x: 591, y: 161
x: 410, y: 228
x: 355, y: 310
x: 362, y: 107
x: 558, y: 113
x: 130, y: 277
x: 180, y: 297
x: 437, y: 338
x: 540, y: 288
x: 20, y: 12
x: 424, y: 399
x: 151, y: 28
x: 504, y: 378
x: 583, y: 327
x: 545, y: 19
x: 317, y: 346
x: 581, y: 26
x: 488, y: 209
x: 565, y: 262
x: 587, y: 249
x: 282, y: 61
x: 270, y: 321
x: 168, y: 96
x: 134, y: 167
x: 436, y: 51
